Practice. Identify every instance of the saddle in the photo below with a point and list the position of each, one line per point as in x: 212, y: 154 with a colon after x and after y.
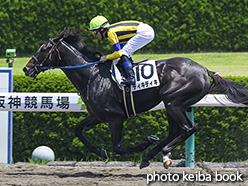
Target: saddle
x: 146, y: 77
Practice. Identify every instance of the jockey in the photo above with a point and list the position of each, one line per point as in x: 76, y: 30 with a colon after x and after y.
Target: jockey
x: 126, y: 38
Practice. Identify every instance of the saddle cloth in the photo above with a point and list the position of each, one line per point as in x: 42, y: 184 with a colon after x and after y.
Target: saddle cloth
x: 146, y: 75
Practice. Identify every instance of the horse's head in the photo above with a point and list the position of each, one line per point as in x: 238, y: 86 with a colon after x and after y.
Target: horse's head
x: 46, y: 55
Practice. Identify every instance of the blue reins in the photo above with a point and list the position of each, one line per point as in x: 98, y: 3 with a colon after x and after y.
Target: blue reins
x: 71, y: 67
x: 82, y: 66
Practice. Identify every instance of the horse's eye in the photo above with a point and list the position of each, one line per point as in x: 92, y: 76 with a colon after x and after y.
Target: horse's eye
x: 42, y: 48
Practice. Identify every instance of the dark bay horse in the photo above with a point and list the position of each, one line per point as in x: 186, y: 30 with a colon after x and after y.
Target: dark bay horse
x: 183, y: 83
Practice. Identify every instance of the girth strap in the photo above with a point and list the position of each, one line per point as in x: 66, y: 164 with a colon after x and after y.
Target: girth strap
x: 129, y: 102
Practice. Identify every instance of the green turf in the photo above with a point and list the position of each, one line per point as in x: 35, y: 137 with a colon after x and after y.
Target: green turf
x: 233, y: 64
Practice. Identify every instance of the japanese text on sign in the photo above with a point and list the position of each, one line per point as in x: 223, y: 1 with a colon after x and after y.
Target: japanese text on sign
x: 32, y: 102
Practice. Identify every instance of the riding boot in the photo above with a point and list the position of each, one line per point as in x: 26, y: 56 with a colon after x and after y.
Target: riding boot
x: 130, y: 80
x: 128, y: 71
x: 131, y: 60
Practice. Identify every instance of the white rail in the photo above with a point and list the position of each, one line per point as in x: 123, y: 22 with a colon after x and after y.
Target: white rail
x: 71, y: 102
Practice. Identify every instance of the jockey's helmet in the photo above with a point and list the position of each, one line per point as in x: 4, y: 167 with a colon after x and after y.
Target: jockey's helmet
x: 98, y: 22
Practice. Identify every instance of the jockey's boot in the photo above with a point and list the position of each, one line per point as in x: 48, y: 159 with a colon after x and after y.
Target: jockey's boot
x: 128, y: 70
x: 130, y: 80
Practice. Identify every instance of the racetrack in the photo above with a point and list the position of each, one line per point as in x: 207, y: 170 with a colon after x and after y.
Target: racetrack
x: 121, y: 173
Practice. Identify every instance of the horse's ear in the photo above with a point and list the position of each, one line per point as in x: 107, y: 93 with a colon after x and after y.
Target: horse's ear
x: 65, y: 32
x: 60, y: 35
x: 65, y: 28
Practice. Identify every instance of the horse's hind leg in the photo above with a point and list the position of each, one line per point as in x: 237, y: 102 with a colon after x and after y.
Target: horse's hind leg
x: 185, y: 130
x: 89, y: 121
x: 116, y: 129
x: 166, y: 160
x: 180, y: 129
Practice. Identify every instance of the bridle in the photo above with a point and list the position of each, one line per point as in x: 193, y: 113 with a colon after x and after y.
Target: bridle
x: 38, y: 65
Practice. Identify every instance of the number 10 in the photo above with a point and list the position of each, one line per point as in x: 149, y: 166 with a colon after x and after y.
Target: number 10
x: 141, y: 71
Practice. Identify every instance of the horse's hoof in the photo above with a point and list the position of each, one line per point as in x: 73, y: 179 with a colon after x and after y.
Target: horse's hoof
x: 153, y: 138
x: 144, y: 164
x: 167, y: 163
x: 104, y: 154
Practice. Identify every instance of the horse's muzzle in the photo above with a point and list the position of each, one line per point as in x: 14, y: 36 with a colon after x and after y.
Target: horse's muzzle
x: 32, y: 72
x: 25, y: 70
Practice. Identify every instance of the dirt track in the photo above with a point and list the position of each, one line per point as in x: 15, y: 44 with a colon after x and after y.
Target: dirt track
x: 116, y: 174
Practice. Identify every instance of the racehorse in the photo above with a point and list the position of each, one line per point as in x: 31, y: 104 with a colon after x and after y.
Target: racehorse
x: 183, y: 83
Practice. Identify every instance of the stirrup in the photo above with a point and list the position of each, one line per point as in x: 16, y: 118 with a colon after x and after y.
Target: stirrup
x: 128, y: 81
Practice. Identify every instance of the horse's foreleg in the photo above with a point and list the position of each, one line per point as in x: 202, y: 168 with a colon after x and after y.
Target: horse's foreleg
x: 89, y: 121
x: 116, y: 129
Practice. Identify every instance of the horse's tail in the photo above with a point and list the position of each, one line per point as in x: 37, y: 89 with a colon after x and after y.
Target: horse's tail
x: 235, y: 92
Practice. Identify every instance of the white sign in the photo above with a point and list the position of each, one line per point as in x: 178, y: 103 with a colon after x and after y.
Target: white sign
x: 50, y: 102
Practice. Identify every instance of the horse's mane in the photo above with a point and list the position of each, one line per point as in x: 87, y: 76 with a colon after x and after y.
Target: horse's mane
x: 74, y: 38
x: 69, y: 34
x: 72, y: 34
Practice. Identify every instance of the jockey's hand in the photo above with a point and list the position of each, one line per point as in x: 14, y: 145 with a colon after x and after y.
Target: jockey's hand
x: 103, y: 59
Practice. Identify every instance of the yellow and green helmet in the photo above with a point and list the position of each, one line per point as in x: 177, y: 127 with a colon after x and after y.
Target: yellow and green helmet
x: 98, y: 22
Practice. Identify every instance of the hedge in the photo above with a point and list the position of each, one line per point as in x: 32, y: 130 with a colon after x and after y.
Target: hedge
x: 183, y: 26
x: 222, y: 132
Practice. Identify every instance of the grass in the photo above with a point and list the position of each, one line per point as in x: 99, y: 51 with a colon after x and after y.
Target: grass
x: 227, y: 64
x: 43, y: 162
